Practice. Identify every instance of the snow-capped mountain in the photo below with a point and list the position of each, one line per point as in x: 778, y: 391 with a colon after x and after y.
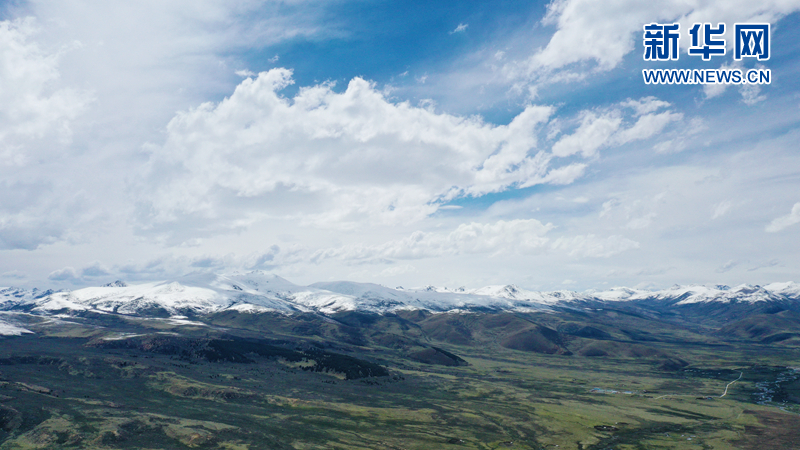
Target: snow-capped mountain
x: 701, y: 294
x: 10, y: 296
x: 196, y: 294
x: 173, y: 297
x: 515, y: 293
x: 787, y: 289
x: 378, y: 298
x: 9, y: 328
x: 203, y: 293
x: 685, y: 295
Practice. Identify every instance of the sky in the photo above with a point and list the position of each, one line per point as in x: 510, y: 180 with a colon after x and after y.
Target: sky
x: 401, y: 143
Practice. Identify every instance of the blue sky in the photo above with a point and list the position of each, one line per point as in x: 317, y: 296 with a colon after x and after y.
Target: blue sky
x: 403, y: 143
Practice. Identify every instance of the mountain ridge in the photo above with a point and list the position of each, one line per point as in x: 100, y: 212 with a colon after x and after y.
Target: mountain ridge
x: 200, y: 294
x: 204, y: 293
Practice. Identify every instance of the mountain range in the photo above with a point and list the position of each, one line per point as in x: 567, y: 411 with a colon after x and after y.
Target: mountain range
x: 201, y: 294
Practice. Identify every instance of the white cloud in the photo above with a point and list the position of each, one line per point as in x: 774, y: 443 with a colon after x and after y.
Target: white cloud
x: 727, y: 266
x: 670, y: 146
x: 606, y: 127
x: 161, y: 267
x: 83, y: 84
x: 462, y: 27
x: 712, y: 90
x: 668, y: 210
x: 644, y: 221
x: 13, y: 275
x: 593, y: 133
x: 34, y: 214
x: 560, y: 176
x: 35, y: 116
x: 65, y: 274
x: 751, y: 94
x: 512, y: 237
x: 395, y: 270
x: 95, y: 269
x: 174, y: 266
x: 91, y: 273
x: 333, y: 159
x: 646, y: 126
x: 721, y: 208
x: 593, y: 246
x: 524, y: 236
x: 783, y: 222
x: 645, y: 105
x: 681, y: 137
x: 765, y: 265
x: 632, y: 212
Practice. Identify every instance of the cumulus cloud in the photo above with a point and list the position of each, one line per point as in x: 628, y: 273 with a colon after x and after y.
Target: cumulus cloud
x: 95, y: 269
x: 646, y: 126
x: 65, y: 274
x: 87, y: 274
x: 349, y: 158
x: 156, y: 268
x: 611, y: 126
x: 265, y: 260
x: 783, y: 222
x: 35, y: 116
x: 334, y: 158
x: 593, y: 133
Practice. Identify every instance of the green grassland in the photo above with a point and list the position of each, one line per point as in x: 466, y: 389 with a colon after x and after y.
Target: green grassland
x: 577, y: 380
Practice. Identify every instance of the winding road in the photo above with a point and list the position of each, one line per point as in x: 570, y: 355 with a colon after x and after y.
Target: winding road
x: 729, y: 384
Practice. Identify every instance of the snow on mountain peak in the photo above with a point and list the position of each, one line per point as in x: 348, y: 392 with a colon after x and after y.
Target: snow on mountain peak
x: 787, y: 288
x: 257, y: 291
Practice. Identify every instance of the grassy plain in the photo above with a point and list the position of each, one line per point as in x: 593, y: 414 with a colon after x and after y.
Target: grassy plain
x: 57, y: 391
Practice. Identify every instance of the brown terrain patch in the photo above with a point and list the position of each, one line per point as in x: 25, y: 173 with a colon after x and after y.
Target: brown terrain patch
x: 778, y: 430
